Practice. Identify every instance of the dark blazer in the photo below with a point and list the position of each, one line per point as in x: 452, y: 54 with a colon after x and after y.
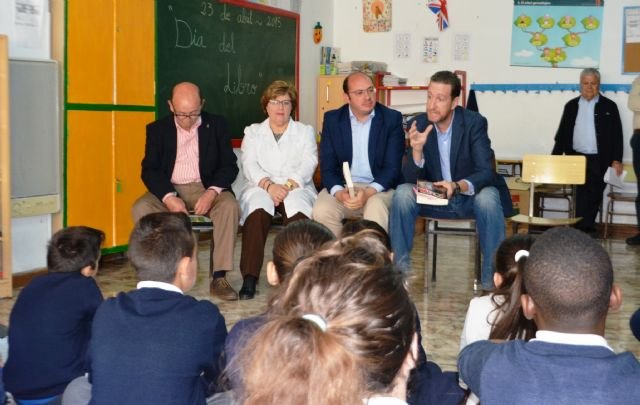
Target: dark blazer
x: 217, y: 161
x: 608, y: 131
x: 471, y: 159
x: 49, y: 334
x: 152, y: 346
x: 386, y: 146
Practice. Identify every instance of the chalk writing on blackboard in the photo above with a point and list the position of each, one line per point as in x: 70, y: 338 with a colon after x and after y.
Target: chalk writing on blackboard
x: 187, y: 37
x: 231, y: 51
x: 238, y: 86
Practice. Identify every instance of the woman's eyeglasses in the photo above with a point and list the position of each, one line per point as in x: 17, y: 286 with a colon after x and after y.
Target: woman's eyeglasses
x: 278, y: 103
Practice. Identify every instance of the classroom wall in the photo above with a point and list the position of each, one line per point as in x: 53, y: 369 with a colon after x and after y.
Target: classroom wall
x: 29, y: 233
x: 311, y: 12
x: 518, y: 122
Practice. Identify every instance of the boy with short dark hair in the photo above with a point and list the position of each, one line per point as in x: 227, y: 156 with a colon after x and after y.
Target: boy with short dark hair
x: 156, y: 345
x: 569, y: 283
x: 50, y: 323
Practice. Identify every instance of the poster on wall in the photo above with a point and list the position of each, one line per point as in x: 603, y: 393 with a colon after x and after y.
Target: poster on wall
x: 557, y: 33
x: 376, y: 15
x: 430, y: 46
x: 28, y: 23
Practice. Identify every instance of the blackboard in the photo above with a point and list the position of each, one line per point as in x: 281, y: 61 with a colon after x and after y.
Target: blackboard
x: 231, y: 49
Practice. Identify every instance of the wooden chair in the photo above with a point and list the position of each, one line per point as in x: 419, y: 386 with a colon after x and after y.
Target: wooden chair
x: 448, y: 230
x: 549, y: 169
x: 619, y: 196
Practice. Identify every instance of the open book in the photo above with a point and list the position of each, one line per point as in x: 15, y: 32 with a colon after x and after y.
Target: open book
x: 429, y: 194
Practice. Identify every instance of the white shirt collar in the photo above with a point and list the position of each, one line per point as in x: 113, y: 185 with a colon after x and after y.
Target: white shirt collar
x: 158, y: 284
x: 384, y: 401
x: 577, y: 339
x: 594, y: 100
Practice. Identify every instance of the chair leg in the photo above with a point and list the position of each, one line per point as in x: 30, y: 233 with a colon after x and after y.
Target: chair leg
x: 435, y: 251
x: 478, y: 267
x: 426, y: 254
x: 608, y: 219
x: 514, y: 227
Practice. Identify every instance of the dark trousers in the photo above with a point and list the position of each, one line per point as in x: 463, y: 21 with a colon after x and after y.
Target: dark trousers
x: 635, y: 148
x: 589, y: 195
x: 254, y: 237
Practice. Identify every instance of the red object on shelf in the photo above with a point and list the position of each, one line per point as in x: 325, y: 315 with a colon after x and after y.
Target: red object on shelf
x: 384, y: 92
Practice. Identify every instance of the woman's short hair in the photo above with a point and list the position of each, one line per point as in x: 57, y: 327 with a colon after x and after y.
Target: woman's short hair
x: 355, y: 343
x: 279, y: 88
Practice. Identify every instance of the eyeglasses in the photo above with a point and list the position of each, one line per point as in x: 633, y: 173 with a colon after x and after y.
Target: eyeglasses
x: 359, y: 93
x: 278, y: 103
x: 194, y: 114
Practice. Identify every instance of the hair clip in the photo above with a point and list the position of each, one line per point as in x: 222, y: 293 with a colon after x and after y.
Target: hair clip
x: 319, y: 321
x: 520, y: 254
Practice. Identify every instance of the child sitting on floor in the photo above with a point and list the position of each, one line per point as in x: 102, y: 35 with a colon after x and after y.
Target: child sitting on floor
x: 340, y: 332
x: 296, y: 241
x: 499, y: 314
x: 569, y: 282
x: 427, y: 383
x: 156, y: 345
x: 50, y: 323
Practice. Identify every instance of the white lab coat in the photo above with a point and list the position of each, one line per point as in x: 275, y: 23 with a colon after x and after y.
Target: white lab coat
x: 294, y: 157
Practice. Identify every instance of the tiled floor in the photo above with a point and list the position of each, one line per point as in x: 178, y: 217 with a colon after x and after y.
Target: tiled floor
x: 441, y: 309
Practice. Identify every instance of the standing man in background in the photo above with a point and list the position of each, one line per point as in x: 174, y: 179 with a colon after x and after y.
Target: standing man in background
x: 370, y: 138
x: 634, y: 105
x: 591, y: 126
x: 189, y: 165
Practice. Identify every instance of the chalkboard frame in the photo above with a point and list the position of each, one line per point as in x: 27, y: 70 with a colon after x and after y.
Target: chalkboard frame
x: 292, y: 18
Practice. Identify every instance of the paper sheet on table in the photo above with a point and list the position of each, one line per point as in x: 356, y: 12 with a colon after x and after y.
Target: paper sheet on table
x: 612, y: 178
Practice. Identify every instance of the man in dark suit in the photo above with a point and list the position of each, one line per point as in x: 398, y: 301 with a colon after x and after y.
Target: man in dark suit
x: 370, y: 138
x: 450, y: 147
x: 189, y: 164
x: 590, y: 126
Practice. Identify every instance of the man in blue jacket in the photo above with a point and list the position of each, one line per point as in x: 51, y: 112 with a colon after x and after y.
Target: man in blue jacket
x: 450, y: 147
x: 370, y: 138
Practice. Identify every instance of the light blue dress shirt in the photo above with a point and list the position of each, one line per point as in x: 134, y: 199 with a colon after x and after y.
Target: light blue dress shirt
x: 360, y: 167
x: 444, y: 147
x: 584, y: 131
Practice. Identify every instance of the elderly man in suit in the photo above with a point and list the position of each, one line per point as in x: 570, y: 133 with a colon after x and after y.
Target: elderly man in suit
x: 370, y: 138
x: 189, y: 165
x: 591, y: 126
x: 450, y: 147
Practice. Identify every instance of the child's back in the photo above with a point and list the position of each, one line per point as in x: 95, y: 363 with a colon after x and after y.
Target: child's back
x: 539, y: 372
x: 50, y: 323
x: 569, y: 282
x: 151, y: 345
x: 156, y: 345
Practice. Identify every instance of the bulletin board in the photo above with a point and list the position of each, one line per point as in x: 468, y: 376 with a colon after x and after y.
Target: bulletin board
x: 631, y: 42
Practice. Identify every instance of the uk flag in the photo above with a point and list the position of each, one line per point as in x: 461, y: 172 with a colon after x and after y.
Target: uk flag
x: 439, y: 8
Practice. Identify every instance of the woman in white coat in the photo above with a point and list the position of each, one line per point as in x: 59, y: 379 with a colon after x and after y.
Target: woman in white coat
x: 279, y: 157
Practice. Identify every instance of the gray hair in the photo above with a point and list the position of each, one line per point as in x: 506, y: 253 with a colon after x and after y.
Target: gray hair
x: 590, y: 72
